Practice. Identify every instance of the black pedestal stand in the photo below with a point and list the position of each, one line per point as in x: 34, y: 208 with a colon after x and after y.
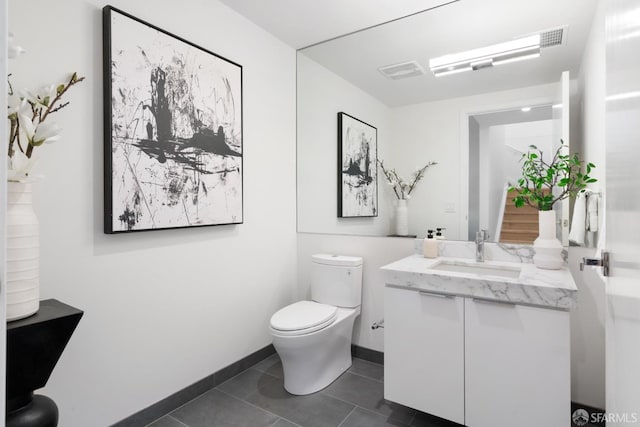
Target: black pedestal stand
x: 34, y: 346
x: 31, y: 411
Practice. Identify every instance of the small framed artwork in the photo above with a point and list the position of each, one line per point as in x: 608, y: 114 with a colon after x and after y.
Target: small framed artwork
x: 357, y: 168
x: 173, y: 130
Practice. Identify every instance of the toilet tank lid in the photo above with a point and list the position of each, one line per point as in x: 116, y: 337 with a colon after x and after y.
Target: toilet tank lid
x: 328, y: 259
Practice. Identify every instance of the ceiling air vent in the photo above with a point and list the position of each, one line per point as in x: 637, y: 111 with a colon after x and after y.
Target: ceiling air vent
x: 553, y: 37
x: 402, y: 71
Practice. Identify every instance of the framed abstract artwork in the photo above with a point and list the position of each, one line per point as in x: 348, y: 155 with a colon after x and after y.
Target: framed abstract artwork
x: 357, y: 168
x: 173, y: 130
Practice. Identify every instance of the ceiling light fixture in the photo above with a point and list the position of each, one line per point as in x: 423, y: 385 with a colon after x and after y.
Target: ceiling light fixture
x: 485, y: 57
x: 526, y: 109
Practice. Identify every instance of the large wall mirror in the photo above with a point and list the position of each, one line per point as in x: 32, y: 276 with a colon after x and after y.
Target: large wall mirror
x: 474, y: 124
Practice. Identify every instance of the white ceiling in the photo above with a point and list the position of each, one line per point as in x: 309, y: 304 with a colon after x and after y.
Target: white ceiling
x: 301, y: 23
x: 451, y: 28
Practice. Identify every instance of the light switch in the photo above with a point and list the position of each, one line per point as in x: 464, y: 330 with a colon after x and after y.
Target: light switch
x: 450, y: 207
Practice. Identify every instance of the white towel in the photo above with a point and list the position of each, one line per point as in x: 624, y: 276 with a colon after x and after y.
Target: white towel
x: 593, y: 202
x: 578, y: 222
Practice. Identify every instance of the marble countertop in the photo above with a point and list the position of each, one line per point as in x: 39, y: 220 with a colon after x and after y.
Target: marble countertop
x: 534, y: 286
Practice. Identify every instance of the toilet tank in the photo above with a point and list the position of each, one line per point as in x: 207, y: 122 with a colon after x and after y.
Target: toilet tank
x: 336, y: 280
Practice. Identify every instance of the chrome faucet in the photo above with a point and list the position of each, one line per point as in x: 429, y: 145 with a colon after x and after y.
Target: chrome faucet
x: 481, y: 236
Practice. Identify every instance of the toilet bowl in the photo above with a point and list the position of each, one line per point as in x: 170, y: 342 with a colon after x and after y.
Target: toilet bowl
x: 313, y: 358
x: 313, y: 338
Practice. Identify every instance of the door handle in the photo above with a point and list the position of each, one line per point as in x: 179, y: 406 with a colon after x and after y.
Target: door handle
x: 603, y: 262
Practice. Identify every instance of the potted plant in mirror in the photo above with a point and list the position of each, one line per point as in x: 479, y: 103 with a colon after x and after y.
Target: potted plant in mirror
x: 542, y: 185
x: 402, y: 189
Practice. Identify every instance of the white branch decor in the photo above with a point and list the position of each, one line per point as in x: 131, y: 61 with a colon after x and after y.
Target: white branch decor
x: 401, y: 187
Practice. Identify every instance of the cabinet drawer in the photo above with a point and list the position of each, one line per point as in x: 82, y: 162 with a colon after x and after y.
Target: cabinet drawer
x: 424, y: 352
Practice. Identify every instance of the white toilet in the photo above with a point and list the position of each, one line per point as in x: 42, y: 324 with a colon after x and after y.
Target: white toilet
x: 313, y: 338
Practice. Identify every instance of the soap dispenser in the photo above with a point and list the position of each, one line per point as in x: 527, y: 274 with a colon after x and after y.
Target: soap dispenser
x: 439, y: 235
x: 430, y: 246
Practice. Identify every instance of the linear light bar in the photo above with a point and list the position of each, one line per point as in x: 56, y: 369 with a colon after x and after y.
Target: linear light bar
x: 622, y: 96
x: 485, y: 57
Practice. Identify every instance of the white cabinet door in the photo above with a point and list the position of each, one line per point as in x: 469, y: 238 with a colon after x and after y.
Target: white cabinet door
x: 516, y: 366
x: 424, y: 352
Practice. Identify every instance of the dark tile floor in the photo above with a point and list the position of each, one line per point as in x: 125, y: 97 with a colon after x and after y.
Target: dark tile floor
x: 256, y: 397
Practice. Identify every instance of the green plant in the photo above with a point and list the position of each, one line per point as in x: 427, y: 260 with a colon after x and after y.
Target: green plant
x: 543, y: 184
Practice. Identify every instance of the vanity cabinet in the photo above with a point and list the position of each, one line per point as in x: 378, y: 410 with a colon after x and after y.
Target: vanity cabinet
x: 477, y: 362
x: 424, y: 352
x: 516, y: 365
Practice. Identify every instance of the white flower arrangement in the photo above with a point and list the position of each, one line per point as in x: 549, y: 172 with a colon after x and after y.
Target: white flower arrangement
x: 27, y: 121
x: 401, y: 187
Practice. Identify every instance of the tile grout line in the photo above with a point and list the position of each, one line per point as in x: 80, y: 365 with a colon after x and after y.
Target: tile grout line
x: 258, y: 407
x: 224, y: 392
x: 276, y: 415
x: 364, y: 376
x: 413, y: 417
x: 345, y: 418
x: 280, y: 418
x: 198, y: 397
x: 319, y: 392
x: 184, y: 404
x: 257, y: 369
x: 367, y: 409
x: 237, y: 375
x: 174, y: 418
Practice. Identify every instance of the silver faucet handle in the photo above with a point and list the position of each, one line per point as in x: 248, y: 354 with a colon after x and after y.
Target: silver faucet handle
x: 481, y: 235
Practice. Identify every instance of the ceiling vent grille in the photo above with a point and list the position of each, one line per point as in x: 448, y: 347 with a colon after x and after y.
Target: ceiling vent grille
x: 403, y: 70
x: 553, y: 37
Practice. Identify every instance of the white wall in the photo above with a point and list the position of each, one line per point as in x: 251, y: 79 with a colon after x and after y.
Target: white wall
x: 539, y: 133
x: 501, y: 150
x: 376, y: 252
x: 163, y: 309
x: 592, y: 84
x: 473, y: 222
x: 496, y: 179
x: 321, y: 96
x: 587, y: 320
x: 490, y: 137
x: 433, y: 131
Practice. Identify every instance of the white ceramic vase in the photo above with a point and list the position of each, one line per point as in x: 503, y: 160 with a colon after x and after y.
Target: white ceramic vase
x: 23, y: 249
x: 402, y: 218
x: 547, y: 247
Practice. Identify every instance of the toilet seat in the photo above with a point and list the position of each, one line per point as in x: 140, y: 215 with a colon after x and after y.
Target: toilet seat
x: 303, y: 317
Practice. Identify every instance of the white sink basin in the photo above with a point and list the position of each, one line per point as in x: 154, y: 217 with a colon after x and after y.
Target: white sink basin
x: 480, y: 268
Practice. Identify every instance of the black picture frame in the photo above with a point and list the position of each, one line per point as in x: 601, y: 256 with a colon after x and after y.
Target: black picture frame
x: 357, y: 168
x: 173, y: 130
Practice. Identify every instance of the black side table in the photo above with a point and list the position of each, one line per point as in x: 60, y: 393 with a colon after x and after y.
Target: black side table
x: 34, y: 346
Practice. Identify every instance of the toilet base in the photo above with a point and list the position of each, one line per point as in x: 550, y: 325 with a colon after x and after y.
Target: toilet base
x: 313, y: 361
